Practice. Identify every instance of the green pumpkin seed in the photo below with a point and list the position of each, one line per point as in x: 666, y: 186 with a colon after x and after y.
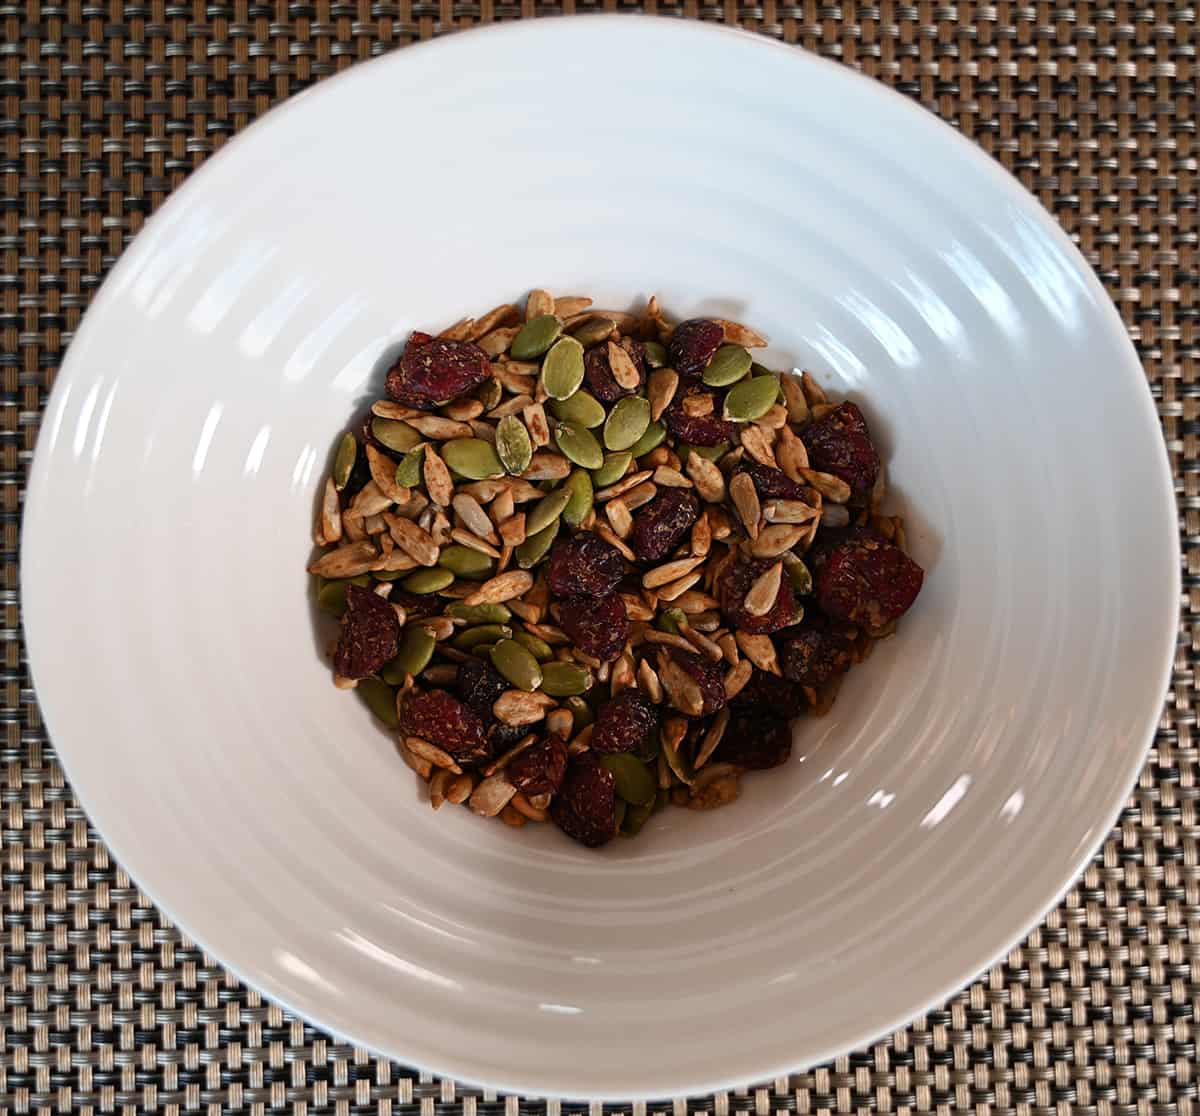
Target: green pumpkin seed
x: 427, y: 581
x: 534, y: 548
x: 635, y: 818
x: 331, y: 596
x: 728, y: 365
x: 579, y: 485
x: 472, y: 458
x: 653, y: 437
x: 670, y: 620
x: 583, y: 409
x: 513, y: 445
x: 593, y: 331
x: 562, y: 370
x: 481, y: 633
x: 465, y: 562
x: 380, y: 699
x: 578, y: 445
x: 633, y: 781
x: 535, y: 645
x: 344, y: 459
x: 656, y: 354
x: 627, y: 422
x: 536, y: 337
x: 615, y: 466
x: 751, y: 399
x: 546, y: 510
x: 580, y: 711
x: 517, y: 665
x: 416, y: 649
x: 619, y: 815
x: 561, y: 679
x: 678, y: 763
x: 479, y: 614
x: 797, y: 574
x: 408, y: 472
x: 388, y: 575
x: 396, y: 435
x: 490, y: 394
x: 713, y: 453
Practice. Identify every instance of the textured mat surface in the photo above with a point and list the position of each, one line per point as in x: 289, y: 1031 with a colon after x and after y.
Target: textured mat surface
x: 105, y: 1007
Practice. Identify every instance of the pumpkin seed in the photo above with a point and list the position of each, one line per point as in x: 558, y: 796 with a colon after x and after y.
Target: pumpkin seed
x: 578, y: 445
x: 344, y: 459
x: 676, y: 761
x: 535, y: 337
x: 635, y: 818
x: 517, y: 665
x: 380, y: 699
x: 534, y: 548
x: 614, y: 468
x: 428, y: 581
x: 465, y: 562
x: 670, y: 620
x: 656, y: 354
x: 580, y: 711
x: 594, y: 330
x: 490, y: 393
x: 561, y: 679
x: 633, y: 781
x: 416, y: 649
x: 627, y: 422
x: 713, y: 453
x: 728, y: 365
x: 751, y: 399
x: 546, y: 510
x: 394, y: 434
x: 653, y: 437
x: 481, y: 633
x: 581, y: 499
x: 472, y: 458
x: 388, y: 575
x: 479, y: 614
x: 583, y: 409
x: 562, y: 370
x: 408, y: 472
x: 535, y: 645
x: 331, y: 595
x: 514, y: 447
x: 797, y: 573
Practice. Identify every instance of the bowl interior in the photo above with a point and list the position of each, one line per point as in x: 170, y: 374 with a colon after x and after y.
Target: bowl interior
x: 967, y: 770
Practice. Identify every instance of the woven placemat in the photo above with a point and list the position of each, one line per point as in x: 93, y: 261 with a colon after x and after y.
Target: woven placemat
x: 104, y: 1006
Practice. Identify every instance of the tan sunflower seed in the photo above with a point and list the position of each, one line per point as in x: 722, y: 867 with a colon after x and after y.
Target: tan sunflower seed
x: 568, y: 306
x: 669, y: 571
x: 738, y: 334
x: 526, y: 809
x: 789, y: 511
x: 331, y: 513
x: 618, y: 516
x: 639, y: 495
x: 700, y: 641
x: 667, y: 477
x: 438, y: 784
x: 716, y: 731
x: 660, y: 390
x: 775, y: 418
x: 460, y: 331
x: 438, y: 428
x: 758, y: 444
x: 498, y: 340
x: 421, y: 766
x: 613, y: 539
x: 505, y: 587
x: 504, y: 314
x: 619, y: 318
x: 622, y: 675
x: 736, y: 677
x: 680, y: 687
x: 648, y: 682
x: 830, y: 487
x: 394, y: 561
x: 547, y: 466
x: 383, y: 473
x: 719, y: 792
x: 813, y: 391
x: 538, y: 304
x: 513, y: 407
x: 745, y: 502
x: 560, y: 723
x: 759, y: 650
x: 431, y: 752
x: 519, y: 707
x: 773, y: 540
x: 623, y: 369
x: 460, y: 789
x: 513, y: 817
x: 701, y: 537
x: 386, y: 409
x: 415, y: 541
x: 667, y: 639
x: 793, y: 397
x: 709, y: 480
x: 764, y: 590
x: 698, y: 406
x: 473, y: 516
x: 492, y: 795
x: 437, y: 478
x: 673, y: 589
x: 835, y: 515
x: 623, y: 485
x: 462, y: 410
x: 503, y: 505
x: 515, y: 381
x: 512, y: 530
x: 349, y: 560
x: 535, y: 422
x: 468, y: 539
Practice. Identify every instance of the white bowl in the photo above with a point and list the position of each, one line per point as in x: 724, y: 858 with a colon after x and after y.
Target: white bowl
x: 969, y: 768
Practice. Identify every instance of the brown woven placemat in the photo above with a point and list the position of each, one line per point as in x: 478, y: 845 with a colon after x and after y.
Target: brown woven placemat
x: 104, y: 1006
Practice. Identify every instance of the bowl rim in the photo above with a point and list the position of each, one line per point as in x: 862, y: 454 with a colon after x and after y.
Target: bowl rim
x: 1124, y: 355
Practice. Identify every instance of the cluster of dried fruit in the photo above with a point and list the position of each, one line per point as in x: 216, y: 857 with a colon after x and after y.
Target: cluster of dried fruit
x: 589, y: 563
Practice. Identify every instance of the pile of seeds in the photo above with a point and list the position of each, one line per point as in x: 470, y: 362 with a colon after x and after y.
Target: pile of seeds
x: 589, y: 563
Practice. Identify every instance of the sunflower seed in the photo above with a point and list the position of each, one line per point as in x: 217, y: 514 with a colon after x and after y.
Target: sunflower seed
x: 516, y: 379
x: 737, y: 334
x: 473, y: 516
x: 570, y: 305
x: 438, y: 783
x: 331, y: 513
x: 431, y: 752
x: 421, y: 766
x: 788, y: 511
x: 673, y: 589
x: 491, y: 796
x: 613, y: 539
x: 497, y: 341
x: 640, y: 494
x: 438, y: 428
x: 759, y: 650
x: 667, y: 477
x: 473, y: 542
x: 623, y: 369
x: 831, y: 487
x: 504, y: 314
x: 757, y: 443
x: 526, y: 809
x: 349, y: 560
x: 546, y: 466
x: 460, y: 788
x: 679, y: 686
x: 413, y: 540
x: 535, y: 422
x: 519, y: 707
x: 764, y: 590
x: 512, y: 530
x: 538, y: 304
x: 460, y: 331
x: 619, y: 517
x: 709, y: 481
x: 663, y: 574
x: 745, y: 502
x: 701, y: 537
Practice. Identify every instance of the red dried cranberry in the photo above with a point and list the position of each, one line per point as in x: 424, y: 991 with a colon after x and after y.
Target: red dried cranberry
x: 766, y: 691
x: 660, y: 526
x: 698, y: 430
x: 816, y: 652
x: 840, y: 444
x: 598, y: 372
x: 443, y: 720
x: 773, y: 484
x: 540, y: 768
x: 693, y: 344
x: 479, y: 684
x: 867, y: 581
x: 370, y: 634
x: 598, y: 626
x: 436, y: 372
x: 755, y: 741
x: 418, y: 606
x: 624, y: 723
x: 735, y: 584
x: 584, y: 564
x: 708, y: 676
x: 585, y: 806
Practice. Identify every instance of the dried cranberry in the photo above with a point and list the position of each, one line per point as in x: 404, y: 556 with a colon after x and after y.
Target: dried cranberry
x: 443, y: 720
x: 624, y: 723
x: 585, y: 806
x: 698, y: 430
x: 418, y: 606
x: 708, y: 676
x: 693, y: 344
x: 436, y: 372
x: 584, y: 564
x: 735, y: 584
x: 768, y: 691
x: 773, y: 484
x: 479, y: 684
x: 370, y: 634
x: 840, y: 444
x: 867, y: 581
x: 598, y: 626
x: 540, y: 768
x: 816, y: 652
x: 660, y: 526
x: 598, y: 372
x: 755, y: 741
